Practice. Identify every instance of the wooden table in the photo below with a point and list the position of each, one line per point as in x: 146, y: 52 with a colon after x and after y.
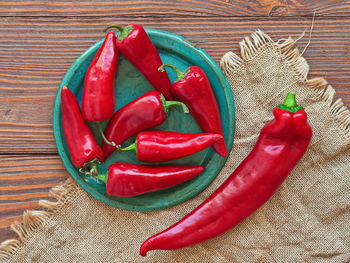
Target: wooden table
x: 40, y: 40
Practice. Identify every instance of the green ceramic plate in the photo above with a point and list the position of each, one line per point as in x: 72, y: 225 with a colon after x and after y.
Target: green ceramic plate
x: 129, y: 85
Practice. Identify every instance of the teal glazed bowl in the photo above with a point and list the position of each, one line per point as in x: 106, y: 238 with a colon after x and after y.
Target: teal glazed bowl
x: 130, y: 84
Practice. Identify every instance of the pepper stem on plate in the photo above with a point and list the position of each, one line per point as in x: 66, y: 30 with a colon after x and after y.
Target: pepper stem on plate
x: 128, y: 148
x: 167, y: 104
x: 290, y: 103
x: 124, y: 31
x: 90, y: 168
x: 99, y: 127
x: 102, y: 177
x: 179, y: 74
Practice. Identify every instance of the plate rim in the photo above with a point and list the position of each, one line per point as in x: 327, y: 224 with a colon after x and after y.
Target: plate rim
x: 90, y: 190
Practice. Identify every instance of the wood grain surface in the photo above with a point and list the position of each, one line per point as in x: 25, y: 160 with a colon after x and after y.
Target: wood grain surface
x: 175, y: 8
x: 40, y: 40
x: 24, y: 180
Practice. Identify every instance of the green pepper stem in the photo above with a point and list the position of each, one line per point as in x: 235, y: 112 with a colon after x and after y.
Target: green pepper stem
x: 128, y: 148
x: 167, y: 104
x: 102, y: 177
x: 290, y: 103
x: 290, y: 100
x: 179, y: 74
x: 90, y: 168
x: 124, y: 31
x: 99, y: 127
x: 120, y: 28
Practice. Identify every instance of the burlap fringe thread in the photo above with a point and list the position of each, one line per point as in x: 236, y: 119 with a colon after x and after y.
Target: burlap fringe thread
x: 250, y: 47
x: 230, y: 62
x: 31, y: 220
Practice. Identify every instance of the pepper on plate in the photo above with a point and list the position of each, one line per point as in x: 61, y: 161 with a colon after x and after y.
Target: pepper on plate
x: 162, y: 146
x: 192, y: 87
x: 82, y: 146
x: 147, y: 111
x: 98, y: 100
x: 136, y: 46
x: 281, y: 144
x: 126, y: 180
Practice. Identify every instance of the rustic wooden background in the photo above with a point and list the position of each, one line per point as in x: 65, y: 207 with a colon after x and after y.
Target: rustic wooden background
x: 40, y: 40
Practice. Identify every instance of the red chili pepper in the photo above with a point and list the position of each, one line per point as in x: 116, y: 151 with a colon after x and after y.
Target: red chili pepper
x: 162, y: 146
x: 125, y: 179
x: 282, y: 142
x: 98, y: 97
x: 136, y: 46
x: 192, y: 87
x: 145, y: 112
x: 80, y: 141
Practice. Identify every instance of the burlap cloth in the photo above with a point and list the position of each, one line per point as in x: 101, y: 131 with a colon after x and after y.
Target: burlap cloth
x: 307, y: 220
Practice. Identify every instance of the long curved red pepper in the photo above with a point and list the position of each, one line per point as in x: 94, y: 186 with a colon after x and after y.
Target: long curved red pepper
x: 98, y: 101
x: 192, y: 87
x: 147, y: 111
x: 81, y: 143
x: 126, y: 179
x: 162, y: 146
x: 136, y: 46
x: 281, y: 144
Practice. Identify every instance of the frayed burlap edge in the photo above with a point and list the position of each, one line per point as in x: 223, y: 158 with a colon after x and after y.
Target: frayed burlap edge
x: 31, y: 220
x: 230, y: 63
x: 261, y: 42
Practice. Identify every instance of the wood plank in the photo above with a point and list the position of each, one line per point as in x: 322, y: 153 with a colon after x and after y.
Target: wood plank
x: 11, y: 207
x: 177, y: 8
x: 36, y: 52
x: 5, y: 223
x: 24, y: 180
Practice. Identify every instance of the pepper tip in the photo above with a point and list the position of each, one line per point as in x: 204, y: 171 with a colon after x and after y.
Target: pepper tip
x: 143, y: 249
x: 220, y: 147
